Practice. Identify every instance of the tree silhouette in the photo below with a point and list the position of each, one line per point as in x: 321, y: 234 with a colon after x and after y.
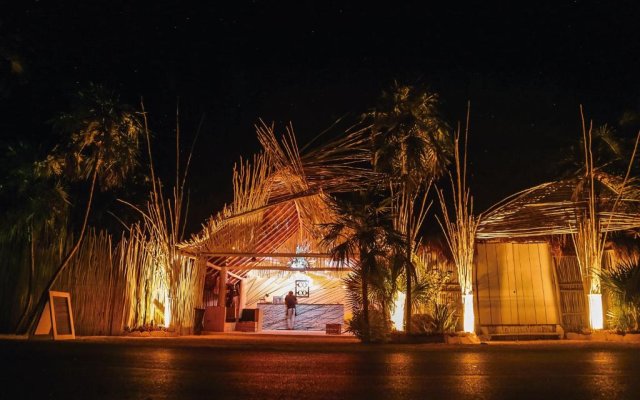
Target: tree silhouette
x: 101, y: 137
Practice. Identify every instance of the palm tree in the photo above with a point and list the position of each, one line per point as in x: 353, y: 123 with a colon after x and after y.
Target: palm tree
x: 410, y: 140
x: 411, y: 144
x: 361, y: 237
x: 608, y: 152
x: 101, y: 147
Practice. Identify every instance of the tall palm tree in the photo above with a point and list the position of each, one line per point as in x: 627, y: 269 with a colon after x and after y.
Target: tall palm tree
x: 411, y: 141
x: 363, y: 235
x: 412, y: 145
x: 101, y: 146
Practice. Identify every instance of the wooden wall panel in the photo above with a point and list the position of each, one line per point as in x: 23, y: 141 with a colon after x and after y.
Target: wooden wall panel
x: 494, y: 284
x: 549, y: 284
x: 518, y: 285
x: 503, y: 267
x: 528, y: 311
x: 513, y: 283
x: 326, y: 286
x: 537, y: 288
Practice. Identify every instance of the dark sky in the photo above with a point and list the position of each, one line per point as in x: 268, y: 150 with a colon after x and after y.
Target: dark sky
x: 524, y: 66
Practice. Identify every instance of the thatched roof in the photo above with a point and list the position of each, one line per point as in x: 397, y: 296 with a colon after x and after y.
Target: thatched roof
x: 554, y: 207
x: 281, y: 199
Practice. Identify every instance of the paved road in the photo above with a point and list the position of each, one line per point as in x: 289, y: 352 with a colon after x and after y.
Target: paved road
x: 306, y: 368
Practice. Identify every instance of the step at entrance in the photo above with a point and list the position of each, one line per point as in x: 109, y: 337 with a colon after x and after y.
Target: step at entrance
x: 522, y: 332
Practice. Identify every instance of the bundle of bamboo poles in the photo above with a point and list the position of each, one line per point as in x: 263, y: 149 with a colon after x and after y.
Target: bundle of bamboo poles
x: 116, y: 287
x: 589, y: 237
x: 158, y: 275
x: 167, y: 279
x: 460, y: 232
x: 145, y: 279
x: 589, y: 246
x: 588, y: 240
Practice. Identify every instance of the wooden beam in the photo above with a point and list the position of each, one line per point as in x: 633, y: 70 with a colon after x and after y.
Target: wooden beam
x: 228, y: 272
x: 313, y: 191
x: 262, y: 255
x: 283, y: 268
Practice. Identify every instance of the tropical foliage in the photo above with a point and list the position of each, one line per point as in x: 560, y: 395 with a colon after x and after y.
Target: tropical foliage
x: 410, y: 139
x: 433, y: 313
x: 611, y: 151
x: 379, y: 322
x: 364, y: 238
x: 622, y: 283
x: 114, y: 283
x: 441, y: 318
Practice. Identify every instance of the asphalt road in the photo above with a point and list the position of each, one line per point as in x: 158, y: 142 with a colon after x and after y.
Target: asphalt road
x: 307, y: 368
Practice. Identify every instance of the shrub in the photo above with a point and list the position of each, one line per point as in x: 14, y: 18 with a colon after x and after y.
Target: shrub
x: 623, y: 285
x: 380, y: 328
x: 622, y: 318
x: 440, y: 319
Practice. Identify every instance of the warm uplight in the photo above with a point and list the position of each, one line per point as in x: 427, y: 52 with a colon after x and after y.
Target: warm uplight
x: 398, y: 312
x: 167, y: 312
x: 469, y: 323
x: 595, y: 311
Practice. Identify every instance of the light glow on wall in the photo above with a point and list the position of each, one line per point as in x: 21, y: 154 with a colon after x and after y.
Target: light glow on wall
x: 167, y: 311
x: 398, y: 311
x: 469, y: 320
x: 596, y: 317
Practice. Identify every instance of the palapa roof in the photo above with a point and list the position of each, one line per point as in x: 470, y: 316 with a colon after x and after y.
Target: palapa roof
x: 553, y: 208
x: 281, y: 200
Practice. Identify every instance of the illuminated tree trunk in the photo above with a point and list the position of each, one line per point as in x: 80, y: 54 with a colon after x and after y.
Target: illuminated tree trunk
x: 409, y: 275
x: 366, y: 330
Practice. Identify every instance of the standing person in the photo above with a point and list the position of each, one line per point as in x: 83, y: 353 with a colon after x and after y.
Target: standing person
x: 290, y: 300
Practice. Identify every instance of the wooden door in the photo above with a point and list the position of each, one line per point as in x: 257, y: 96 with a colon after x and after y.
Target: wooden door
x: 515, y: 285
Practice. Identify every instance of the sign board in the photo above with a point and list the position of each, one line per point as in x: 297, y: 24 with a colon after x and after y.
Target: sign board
x: 302, y: 288
x: 57, y: 317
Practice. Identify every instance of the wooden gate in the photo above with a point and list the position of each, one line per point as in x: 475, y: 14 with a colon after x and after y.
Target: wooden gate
x: 515, y: 287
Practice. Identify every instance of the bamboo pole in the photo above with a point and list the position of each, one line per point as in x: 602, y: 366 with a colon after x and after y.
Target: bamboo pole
x: 589, y: 238
x: 460, y: 232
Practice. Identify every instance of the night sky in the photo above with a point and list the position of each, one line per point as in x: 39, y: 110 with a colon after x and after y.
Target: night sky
x: 525, y: 68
